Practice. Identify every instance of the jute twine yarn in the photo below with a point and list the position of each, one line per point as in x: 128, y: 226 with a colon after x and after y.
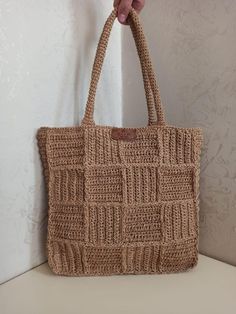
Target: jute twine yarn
x: 122, y: 200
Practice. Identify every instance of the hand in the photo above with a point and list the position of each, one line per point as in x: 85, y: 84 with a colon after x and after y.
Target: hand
x: 124, y: 6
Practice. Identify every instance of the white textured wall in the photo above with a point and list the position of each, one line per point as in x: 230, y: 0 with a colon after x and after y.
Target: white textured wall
x: 46, y: 55
x: 193, y: 45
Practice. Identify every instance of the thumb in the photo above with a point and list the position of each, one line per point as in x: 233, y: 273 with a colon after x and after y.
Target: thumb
x: 123, y: 10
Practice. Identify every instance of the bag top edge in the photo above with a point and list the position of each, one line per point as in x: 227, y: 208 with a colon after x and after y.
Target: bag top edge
x: 109, y: 127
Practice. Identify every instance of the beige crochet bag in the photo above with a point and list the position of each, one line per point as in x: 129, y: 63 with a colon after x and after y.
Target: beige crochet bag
x: 122, y: 200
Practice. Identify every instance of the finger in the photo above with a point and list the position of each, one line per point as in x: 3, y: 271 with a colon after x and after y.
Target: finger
x: 116, y: 3
x: 123, y: 10
x: 138, y: 5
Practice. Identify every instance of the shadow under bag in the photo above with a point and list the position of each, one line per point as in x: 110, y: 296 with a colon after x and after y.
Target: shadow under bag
x: 122, y: 200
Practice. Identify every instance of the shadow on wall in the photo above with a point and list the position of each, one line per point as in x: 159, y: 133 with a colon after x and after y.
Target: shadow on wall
x: 85, y: 32
x: 37, y: 217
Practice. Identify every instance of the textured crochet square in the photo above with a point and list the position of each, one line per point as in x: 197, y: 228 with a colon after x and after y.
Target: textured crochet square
x: 122, y: 200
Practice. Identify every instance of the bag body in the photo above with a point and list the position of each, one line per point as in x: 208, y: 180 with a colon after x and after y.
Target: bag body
x: 122, y: 200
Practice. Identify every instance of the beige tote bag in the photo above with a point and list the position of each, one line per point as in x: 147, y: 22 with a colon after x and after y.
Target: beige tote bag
x: 122, y: 200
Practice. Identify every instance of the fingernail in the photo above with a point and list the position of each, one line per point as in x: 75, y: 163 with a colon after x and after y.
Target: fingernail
x: 122, y: 18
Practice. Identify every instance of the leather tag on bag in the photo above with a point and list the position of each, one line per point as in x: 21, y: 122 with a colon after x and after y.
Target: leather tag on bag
x: 123, y: 134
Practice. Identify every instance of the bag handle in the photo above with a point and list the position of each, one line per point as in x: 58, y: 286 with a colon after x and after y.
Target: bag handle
x: 151, y: 87
x: 146, y: 63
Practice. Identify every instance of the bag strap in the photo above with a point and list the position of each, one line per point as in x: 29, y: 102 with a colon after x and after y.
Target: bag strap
x: 145, y: 59
x: 155, y: 111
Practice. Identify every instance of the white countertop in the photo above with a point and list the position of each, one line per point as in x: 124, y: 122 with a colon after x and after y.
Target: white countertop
x: 209, y: 288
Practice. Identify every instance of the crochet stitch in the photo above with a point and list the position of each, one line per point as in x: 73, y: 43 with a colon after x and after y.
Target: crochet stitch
x: 122, y: 200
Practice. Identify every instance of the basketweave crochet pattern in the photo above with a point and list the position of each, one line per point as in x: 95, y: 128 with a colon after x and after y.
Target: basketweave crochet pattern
x: 122, y: 200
